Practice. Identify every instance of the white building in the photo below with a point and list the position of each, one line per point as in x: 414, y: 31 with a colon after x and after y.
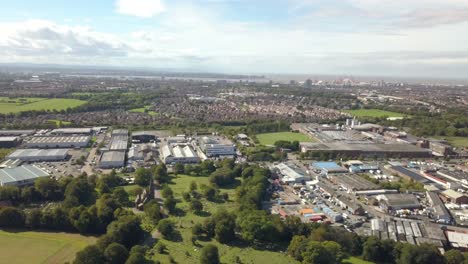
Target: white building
x: 58, y: 142
x: 112, y: 159
x: 179, y: 153
x: 39, y: 154
x: 22, y: 175
x: 291, y: 173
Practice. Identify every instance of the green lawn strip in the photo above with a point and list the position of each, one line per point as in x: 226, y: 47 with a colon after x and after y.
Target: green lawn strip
x: 270, y: 138
x: 42, y: 104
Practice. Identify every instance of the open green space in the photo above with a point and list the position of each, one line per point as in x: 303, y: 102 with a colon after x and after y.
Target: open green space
x: 459, y: 142
x: 270, y: 138
x: 59, y: 123
x: 143, y: 110
x: 186, y: 252
x: 16, y: 105
x: 40, y: 247
x: 374, y: 113
x: 355, y: 260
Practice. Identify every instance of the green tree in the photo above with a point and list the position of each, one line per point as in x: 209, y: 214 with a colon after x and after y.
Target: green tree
x: 142, y: 177
x: 11, y: 217
x: 89, y: 255
x: 454, y: 256
x: 209, y: 255
x: 196, y: 206
x: 153, y: 211
x: 166, y: 227
x: 116, y: 253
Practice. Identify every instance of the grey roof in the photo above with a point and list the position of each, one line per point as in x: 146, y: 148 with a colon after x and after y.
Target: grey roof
x: 8, y: 139
x: 59, y: 139
x: 113, y: 156
x: 119, y: 142
x: 25, y: 172
x: 16, y: 132
x: 26, y: 153
x: 401, y: 200
x: 72, y: 131
x: 120, y: 132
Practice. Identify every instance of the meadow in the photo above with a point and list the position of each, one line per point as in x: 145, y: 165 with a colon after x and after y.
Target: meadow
x: 40, y: 247
x: 374, y: 113
x: 143, y: 110
x: 185, y: 252
x: 16, y: 105
x: 270, y: 138
x: 460, y: 142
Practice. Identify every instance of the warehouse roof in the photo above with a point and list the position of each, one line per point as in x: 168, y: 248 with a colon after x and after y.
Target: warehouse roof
x: 23, y: 153
x: 411, y: 174
x: 144, y: 133
x: 119, y: 142
x: 25, y: 172
x: 59, y: 139
x: 401, y: 200
x: 452, y: 194
x: 110, y: 156
x: 72, y: 131
x: 8, y: 139
x: 120, y: 132
x: 354, y: 182
x: 16, y: 132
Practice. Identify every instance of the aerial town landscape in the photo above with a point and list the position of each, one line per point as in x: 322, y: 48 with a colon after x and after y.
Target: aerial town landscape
x: 244, y: 132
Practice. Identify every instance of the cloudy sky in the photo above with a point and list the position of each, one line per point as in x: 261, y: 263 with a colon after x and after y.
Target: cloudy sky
x: 365, y: 37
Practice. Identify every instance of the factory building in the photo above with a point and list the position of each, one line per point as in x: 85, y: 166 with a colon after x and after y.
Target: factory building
x: 9, y: 142
x: 5, y: 133
x: 291, y: 173
x: 142, y: 152
x: 58, y: 142
x: 179, y: 153
x: 212, y: 148
x: 177, y: 139
x: 352, y: 182
x: 144, y: 136
x: 441, y: 214
x: 112, y: 159
x: 399, y: 201
x: 120, y: 132
x: 408, y: 174
x: 39, y: 155
x: 21, y: 176
x: 71, y: 131
x: 455, y: 197
x: 119, y: 142
x: 326, y: 167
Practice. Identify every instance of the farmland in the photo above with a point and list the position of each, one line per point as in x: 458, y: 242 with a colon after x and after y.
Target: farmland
x: 374, y: 113
x: 40, y: 247
x: 270, y: 138
x: 186, y: 252
x: 16, y: 105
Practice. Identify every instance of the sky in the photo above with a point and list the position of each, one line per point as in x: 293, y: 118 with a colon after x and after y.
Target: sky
x: 340, y: 37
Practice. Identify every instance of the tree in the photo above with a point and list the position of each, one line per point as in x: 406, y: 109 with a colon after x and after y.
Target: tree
x: 116, y: 253
x: 196, y: 206
x: 33, y: 218
x: 11, y: 217
x: 48, y: 188
x: 120, y: 195
x: 178, y: 168
x: 425, y: 253
x: 208, y: 192
x: 89, y: 255
x: 160, y: 173
x: 296, y: 246
x: 166, y: 227
x: 197, y: 230
x: 167, y: 192
x: 79, y: 192
x: 454, y: 256
x: 153, y: 211
x: 170, y: 204
x: 209, y: 255
x: 126, y: 230
x: 142, y: 177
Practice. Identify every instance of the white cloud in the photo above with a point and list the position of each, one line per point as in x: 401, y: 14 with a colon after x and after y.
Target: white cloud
x: 140, y: 8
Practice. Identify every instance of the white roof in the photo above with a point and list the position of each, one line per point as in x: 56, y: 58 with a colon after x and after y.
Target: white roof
x: 25, y: 172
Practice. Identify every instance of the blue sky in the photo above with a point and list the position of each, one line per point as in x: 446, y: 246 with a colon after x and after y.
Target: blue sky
x: 360, y: 37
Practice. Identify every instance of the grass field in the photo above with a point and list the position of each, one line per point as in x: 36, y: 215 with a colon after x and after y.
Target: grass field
x: 270, y: 138
x: 460, y: 142
x: 17, y: 105
x: 40, y: 247
x: 185, y: 252
x: 374, y: 113
x: 57, y: 122
x: 143, y: 110
x: 355, y: 260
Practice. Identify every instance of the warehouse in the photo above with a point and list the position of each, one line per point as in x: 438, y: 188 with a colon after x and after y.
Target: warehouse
x: 112, y: 159
x: 9, y: 142
x: 291, y: 173
x: 408, y: 174
x: 178, y: 153
x: 120, y: 132
x: 144, y: 136
x: 455, y: 197
x: 58, y: 142
x: 325, y: 167
x: 71, y: 131
x: 39, y: 155
x: 4, y: 133
x: 119, y: 142
x: 22, y: 175
x: 352, y: 182
x: 441, y: 214
x: 399, y: 201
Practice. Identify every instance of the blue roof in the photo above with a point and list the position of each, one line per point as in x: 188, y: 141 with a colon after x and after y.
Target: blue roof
x: 326, y: 165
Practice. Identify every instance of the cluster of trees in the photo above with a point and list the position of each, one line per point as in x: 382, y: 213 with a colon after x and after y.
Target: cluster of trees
x: 294, y: 145
x: 257, y: 128
x: 143, y: 176
x: 204, y: 168
x: 261, y: 153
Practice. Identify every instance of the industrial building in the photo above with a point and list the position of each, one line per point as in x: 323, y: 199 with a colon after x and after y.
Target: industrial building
x: 119, y: 142
x: 212, y: 148
x: 38, y: 155
x: 399, y: 201
x: 367, y: 149
x: 291, y: 173
x: 326, y: 167
x: 9, y: 142
x: 112, y: 159
x: 4, y: 133
x: 142, y: 152
x: 176, y: 139
x: 408, y: 174
x: 144, y: 136
x: 352, y: 182
x: 120, y: 132
x: 21, y: 176
x: 179, y: 153
x: 455, y: 197
x: 441, y: 214
x: 58, y: 142
x: 72, y: 131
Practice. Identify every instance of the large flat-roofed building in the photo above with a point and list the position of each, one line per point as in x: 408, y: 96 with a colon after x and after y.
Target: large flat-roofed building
x: 408, y: 174
x: 353, y: 182
x: 144, y: 136
x: 120, y: 132
x: 22, y: 175
x: 9, y: 142
x: 58, y: 142
x: 16, y: 132
x: 112, y: 159
x: 212, y: 148
x: 37, y: 155
x: 399, y: 201
x: 367, y: 149
x: 291, y: 173
x: 179, y: 153
x: 72, y: 131
x: 441, y: 214
x: 326, y: 167
x: 119, y: 142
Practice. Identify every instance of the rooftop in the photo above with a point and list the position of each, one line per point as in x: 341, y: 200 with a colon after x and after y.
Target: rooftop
x: 110, y: 156
x: 21, y: 173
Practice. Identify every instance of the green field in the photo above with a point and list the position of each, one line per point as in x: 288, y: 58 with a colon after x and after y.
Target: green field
x: 185, y: 252
x: 270, y: 138
x: 355, y: 260
x: 17, y: 105
x: 460, y: 142
x: 143, y: 110
x: 40, y: 247
x: 374, y: 113
x: 58, y: 122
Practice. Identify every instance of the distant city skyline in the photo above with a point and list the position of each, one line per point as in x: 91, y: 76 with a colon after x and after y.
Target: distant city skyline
x: 348, y: 37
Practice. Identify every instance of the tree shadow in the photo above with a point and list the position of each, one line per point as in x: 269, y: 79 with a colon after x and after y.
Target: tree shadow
x: 203, y: 213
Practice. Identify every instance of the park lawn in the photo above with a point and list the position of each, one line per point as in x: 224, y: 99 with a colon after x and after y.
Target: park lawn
x: 185, y: 252
x: 374, y: 113
x: 356, y: 260
x: 40, y: 247
x: 270, y: 138
x: 58, y: 122
x: 143, y: 110
x: 460, y: 142
x: 36, y: 104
